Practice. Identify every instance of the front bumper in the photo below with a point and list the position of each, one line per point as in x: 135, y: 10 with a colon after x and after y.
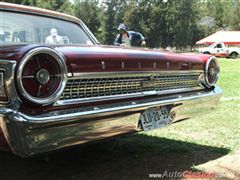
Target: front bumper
x: 30, y: 135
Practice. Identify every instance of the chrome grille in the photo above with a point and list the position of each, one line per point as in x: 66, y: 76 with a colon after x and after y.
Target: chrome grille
x: 96, y: 87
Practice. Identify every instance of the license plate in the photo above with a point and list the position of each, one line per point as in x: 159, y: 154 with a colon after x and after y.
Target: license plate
x: 155, y: 118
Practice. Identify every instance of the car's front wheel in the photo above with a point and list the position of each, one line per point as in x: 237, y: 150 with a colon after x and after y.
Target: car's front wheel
x: 233, y: 55
x: 206, y: 52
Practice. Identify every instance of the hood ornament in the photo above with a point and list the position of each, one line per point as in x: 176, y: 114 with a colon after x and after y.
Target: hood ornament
x: 168, y: 65
x: 103, y: 65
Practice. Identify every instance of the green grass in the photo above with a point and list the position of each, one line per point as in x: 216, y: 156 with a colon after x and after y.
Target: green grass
x: 220, y: 128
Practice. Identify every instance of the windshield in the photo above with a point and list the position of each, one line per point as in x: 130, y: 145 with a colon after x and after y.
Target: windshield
x: 18, y: 28
x: 216, y: 45
x: 212, y: 45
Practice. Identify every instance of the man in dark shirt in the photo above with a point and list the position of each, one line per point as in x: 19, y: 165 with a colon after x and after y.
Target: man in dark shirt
x: 136, y: 38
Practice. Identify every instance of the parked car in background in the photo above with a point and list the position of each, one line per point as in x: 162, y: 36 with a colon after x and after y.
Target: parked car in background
x: 220, y: 50
x: 60, y: 88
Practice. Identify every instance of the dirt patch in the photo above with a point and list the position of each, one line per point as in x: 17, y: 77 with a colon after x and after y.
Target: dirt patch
x: 228, y: 166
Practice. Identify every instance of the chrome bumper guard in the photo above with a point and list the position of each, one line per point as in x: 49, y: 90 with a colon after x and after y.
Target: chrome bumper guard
x: 29, y: 135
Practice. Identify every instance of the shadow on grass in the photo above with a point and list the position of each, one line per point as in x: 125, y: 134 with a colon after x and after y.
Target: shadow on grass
x: 131, y: 157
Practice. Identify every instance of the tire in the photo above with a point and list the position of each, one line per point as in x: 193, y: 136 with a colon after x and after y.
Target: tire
x: 233, y: 55
x: 206, y: 52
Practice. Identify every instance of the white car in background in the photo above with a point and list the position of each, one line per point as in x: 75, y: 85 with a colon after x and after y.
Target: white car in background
x: 220, y: 50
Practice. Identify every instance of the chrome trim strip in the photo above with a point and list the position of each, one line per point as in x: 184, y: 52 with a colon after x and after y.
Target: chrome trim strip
x: 3, y: 85
x: 131, y: 73
x: 124, y: 96
x: 9, y: 68
x: 62, y: 65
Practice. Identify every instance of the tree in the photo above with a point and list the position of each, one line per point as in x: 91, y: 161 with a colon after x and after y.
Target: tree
x: 185, y: 23
x: 176, y: 23
x: 57, y: 5
x: 15, y: 1
x: 233, y: 19
x: 112, y: 13
x: 137, y: 17
x: 89, y: 11
x: 218, y: 10
x: 162, y: 22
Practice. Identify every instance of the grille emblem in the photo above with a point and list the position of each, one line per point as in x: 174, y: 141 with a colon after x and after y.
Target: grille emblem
x: 150, y: 83
x: 103, y: 65
x: 154, y: 65
x: 139, y: 65
x: 190, y: 65
x: 123, y: 65
x: 168, y: 65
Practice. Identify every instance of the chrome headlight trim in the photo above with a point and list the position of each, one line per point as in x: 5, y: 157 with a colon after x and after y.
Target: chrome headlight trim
x: 63, y: 68
x: 215, y: 73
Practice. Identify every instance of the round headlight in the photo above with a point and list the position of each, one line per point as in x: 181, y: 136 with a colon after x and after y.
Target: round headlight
x: 42, y: 76
x: 211, y: 72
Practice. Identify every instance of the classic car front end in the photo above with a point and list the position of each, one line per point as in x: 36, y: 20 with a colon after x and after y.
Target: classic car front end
x: 63, y: 94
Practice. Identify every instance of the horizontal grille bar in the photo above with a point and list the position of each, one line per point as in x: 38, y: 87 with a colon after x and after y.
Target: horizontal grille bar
x: 94, y: 87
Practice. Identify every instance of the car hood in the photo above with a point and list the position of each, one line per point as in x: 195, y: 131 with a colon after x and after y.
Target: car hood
x: 108, y: 58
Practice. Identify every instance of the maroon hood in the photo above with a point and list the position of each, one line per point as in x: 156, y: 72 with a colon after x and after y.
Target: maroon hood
x: 109, y: 58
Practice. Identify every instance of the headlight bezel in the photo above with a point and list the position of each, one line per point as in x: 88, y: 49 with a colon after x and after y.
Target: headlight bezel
x: 211, y: 69
x: 60, y: 60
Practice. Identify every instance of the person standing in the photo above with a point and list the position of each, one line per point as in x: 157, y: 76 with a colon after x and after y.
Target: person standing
x: 129, y: 38
x: 122, y: 38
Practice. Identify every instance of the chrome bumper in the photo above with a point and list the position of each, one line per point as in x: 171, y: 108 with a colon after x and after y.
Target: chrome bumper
x: 30, y: 135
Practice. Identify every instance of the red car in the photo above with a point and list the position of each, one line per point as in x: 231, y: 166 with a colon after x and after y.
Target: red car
x: 59, y: 87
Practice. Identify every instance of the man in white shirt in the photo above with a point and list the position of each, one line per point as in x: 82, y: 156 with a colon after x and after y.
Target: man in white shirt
x: 53, y: 38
